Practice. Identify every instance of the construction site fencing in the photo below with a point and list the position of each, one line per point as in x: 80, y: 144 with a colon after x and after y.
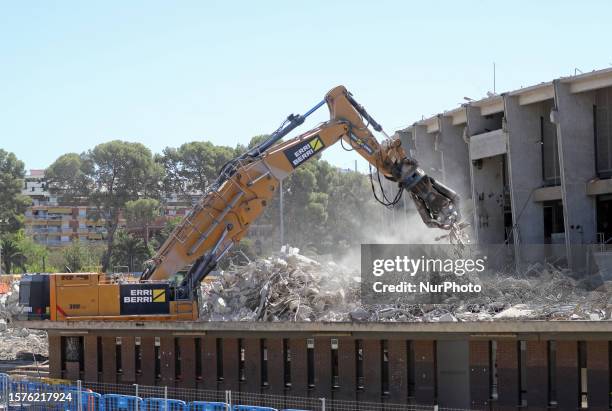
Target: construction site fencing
x: 26, y: 393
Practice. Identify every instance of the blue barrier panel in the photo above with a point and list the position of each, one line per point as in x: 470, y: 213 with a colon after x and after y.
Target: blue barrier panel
x: 208, y: 406
x: 252, y: 408
x: 116, y: 402
x: 4, y: 382
x: 90, y: 401
x: 161, y: 404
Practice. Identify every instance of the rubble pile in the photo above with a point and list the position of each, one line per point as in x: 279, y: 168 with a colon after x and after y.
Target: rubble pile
x: 17, y: 342
x: 291, y: 287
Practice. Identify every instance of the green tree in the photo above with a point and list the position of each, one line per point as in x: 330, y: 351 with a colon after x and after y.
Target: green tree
x: 12, y: 254
x: 76, y: 257
x: 71, y: 176
x: 115, y: 173
x: 36, y: 256
x: 142, y: 213
x: 193, y: 166
x: 164, y: 233
x: 130, y: 251
x: 12, y: 203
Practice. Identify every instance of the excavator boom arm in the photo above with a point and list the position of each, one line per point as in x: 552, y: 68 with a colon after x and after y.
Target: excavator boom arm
x: 248, y: 183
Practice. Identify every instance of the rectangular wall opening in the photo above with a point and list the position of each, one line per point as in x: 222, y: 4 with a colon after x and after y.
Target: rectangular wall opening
x: 554, y: 226
x: 137, y: 356
x: 287, y: 362
x: 359, y: 365
x: 219, y: 347
x: 263, y: 353
x: 334, y: 364
x: 310, y: 362
x: 198, y: 358
x: 552, y: 373
x: 118, y: 362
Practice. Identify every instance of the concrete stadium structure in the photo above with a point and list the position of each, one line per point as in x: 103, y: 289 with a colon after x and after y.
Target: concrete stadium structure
x: 533, y: 166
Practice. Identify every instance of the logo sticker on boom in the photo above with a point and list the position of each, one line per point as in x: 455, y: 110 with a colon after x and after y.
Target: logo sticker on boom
x: 303, y: 151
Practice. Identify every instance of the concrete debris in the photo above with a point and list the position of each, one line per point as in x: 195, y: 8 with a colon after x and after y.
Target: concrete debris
x: 16, y: 343
x: 292, y: 287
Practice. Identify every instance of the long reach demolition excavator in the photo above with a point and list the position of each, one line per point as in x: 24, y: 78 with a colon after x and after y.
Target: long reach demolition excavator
x: 244, y: 187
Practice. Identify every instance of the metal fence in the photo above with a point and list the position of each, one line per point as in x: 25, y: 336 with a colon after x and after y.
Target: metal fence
x: 44, y: 394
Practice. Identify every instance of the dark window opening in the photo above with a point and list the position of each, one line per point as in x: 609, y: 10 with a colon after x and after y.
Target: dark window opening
x: 287, y: 362
x: 493, y: 370
x: 99, y: 352
x: 359, y: 364
x: 522, y: 363
x: 602, y: 130
x: 157, y: 359
x: 411, y: 370
x: 219, y: 343
x: 264, y: 362
x: 384, y: 366
x: 178, y: 371
x: 118, y: 362
x: 138, y: 356
x: 554, y: 226
x: 334, y: 364
x: 241, y: 360
x: 604, y: 218
x: 198, y: 358
x: 583, y: 376
x: 552, y: 373
x: 551, y: 170
x: 310, y: 362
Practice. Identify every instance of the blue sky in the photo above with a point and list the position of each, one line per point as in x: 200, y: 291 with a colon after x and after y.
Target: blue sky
x: 75, y: 74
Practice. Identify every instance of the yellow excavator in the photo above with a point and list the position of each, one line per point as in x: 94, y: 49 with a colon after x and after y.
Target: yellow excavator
x: 244, y: 187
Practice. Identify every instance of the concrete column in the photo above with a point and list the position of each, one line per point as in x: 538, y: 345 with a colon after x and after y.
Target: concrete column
x: 455, y: 160
x: 598, y: 374
x: 55, y: 356
x: 425, y: 372
x: 188, y: 358
x: 372, y: 370
x: 347, y: 373
x: 252, y: 364
x: 525, y: 169
x: 537, y: 375
x: 429, y: 159
x: 128, y: 360
x: 398, y: 371
x: 567, y: 375
x: 230, y: 364
x: 480, y: 374
x: 209, y: 363
x: 322, y: 367
x: 507, y: 375
x: 299, y: 367
x: 90, y: 351
x: 109, y: 359
x: 576, y: 141
x: 147, y: 349
x: 168, y: 357
x: 453, y: 376
x: 276, y: 366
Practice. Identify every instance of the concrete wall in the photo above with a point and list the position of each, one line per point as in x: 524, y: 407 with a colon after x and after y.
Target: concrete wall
x: 575, y: 135
x: 456, y: 162
x: 525, y: 168
x: 428, y: 157
x: 453, y: 372
x: 487, y: 177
